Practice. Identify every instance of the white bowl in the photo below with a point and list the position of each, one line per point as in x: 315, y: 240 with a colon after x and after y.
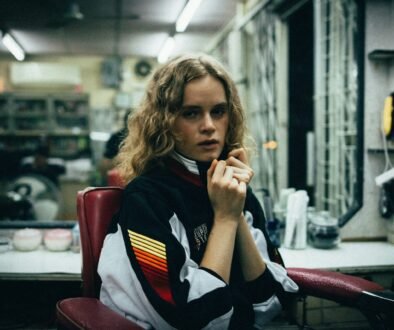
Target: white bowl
x: 58, y: 239
x: 27, y: 239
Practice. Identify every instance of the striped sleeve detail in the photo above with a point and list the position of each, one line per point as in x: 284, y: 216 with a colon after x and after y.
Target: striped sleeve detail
x: 152, y: 258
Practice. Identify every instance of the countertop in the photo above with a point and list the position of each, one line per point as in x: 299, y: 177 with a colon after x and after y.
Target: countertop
x: 348, y: 257
x: 40, y: 264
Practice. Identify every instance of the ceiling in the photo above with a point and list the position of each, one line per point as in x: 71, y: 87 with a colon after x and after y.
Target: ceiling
x: 109, y: 27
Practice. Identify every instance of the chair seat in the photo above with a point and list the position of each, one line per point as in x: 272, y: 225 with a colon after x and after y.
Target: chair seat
x: 90, y: 313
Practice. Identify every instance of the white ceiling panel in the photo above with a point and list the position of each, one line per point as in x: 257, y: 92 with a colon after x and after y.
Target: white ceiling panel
x: 109, y: 27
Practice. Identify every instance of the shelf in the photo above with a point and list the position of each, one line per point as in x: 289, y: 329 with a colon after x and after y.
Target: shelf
x: 70, y: 115
x: 70, y: 133
x: 379, y: 150
x: 30, y: 114
x: 23, y: 133
x: 381, y: 54
x: 57, y: 134
x: 61, y: 118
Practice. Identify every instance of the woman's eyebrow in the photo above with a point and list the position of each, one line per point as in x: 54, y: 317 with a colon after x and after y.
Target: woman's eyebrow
x: 197, y: 107
x: 190, y: 107
x: 221, y: 104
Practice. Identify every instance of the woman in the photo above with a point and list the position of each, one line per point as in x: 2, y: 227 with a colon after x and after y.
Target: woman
x: 185, y: 250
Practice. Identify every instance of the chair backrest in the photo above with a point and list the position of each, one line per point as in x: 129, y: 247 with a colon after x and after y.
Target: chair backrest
x: 95, y: 208
x: 114, y: 179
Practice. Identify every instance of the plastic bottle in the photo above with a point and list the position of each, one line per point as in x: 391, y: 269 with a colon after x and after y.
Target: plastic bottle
x: 76, y: 242
x: 272, y: 224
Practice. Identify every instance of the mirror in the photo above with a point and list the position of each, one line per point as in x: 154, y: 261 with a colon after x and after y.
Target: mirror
x: 300, y: 73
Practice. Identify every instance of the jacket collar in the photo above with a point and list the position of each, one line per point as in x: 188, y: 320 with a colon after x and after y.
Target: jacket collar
x: 189, y: 169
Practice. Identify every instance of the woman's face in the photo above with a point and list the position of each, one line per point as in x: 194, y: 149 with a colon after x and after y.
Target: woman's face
x: 202, y: 123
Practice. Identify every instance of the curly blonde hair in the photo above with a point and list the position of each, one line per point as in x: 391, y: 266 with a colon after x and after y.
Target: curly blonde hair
x: 150, y: 127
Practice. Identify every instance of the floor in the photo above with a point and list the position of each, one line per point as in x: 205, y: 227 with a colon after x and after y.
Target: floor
x: 31, y: 304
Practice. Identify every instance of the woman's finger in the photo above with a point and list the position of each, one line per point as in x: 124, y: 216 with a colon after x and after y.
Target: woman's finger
x: 240, y: 154
x: 242, y: 177
x: 242, y: 187
x: 218, y: 171
x: 211, y: 169
x: 236, y: 162
x: 237, y: 169
x: 242, y: 174
x: 228, y: 173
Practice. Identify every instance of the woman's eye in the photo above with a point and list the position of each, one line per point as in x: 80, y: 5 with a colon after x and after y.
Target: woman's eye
x: 219, y: 112
x: 189, y: 114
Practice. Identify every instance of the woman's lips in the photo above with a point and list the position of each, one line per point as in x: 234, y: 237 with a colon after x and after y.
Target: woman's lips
x: 208, y: 145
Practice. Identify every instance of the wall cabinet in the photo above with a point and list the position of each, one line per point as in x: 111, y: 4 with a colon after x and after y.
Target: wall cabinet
x: 61, y: 119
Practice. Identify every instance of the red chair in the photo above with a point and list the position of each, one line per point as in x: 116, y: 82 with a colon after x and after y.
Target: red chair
x: 114, y: 179
x: 96, y: 206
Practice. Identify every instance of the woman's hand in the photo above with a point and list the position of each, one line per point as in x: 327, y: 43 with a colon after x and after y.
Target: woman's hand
x: 226, y: 193
x: 238, y: 161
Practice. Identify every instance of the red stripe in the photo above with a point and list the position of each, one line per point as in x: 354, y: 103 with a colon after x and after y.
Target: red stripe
x: 152, y: 265
x: 154, y: 272
x: 161, y: 288
x: 183, y: 172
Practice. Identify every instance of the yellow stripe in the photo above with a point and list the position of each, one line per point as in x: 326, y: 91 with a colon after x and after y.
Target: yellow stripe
x: 143, y: 237
x: 157, y: 244
x: 146, y: 243
x: 149, y: 249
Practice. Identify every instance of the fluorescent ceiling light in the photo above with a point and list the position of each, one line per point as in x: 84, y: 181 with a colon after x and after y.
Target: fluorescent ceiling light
x: 166, y: 50
x: 186, y: 15
x: 13, y: 47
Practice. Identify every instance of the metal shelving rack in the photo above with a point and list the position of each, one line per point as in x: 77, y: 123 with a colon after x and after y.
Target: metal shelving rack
x: 62, y: 119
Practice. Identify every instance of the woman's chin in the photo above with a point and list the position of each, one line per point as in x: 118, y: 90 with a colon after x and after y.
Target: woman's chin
x: 207, y: 158
x: 203, y: 156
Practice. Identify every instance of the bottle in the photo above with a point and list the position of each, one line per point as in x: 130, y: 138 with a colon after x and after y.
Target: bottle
x: 76, y: 242
x: 272, y: 224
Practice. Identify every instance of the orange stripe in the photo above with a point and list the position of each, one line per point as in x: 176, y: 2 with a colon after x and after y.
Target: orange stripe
x: 147, y: 262
x: 154, y: 270
x: 154, y: 264
x: 145, y: 255
x: 153, y: 256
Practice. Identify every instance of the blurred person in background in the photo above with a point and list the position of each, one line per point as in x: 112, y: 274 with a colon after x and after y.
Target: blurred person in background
x: 42, y: 164
x: 111, y: 149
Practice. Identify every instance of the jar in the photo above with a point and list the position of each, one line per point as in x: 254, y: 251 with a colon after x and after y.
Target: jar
x: 323, y: 231
x: 27, y: 239
x: 58, y: 239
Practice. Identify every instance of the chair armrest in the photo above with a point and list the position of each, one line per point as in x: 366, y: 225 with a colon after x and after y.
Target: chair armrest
x: 334, y: 286
x: 89, y: 313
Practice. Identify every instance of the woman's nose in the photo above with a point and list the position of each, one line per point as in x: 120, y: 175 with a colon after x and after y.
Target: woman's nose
x: 207, y: 123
